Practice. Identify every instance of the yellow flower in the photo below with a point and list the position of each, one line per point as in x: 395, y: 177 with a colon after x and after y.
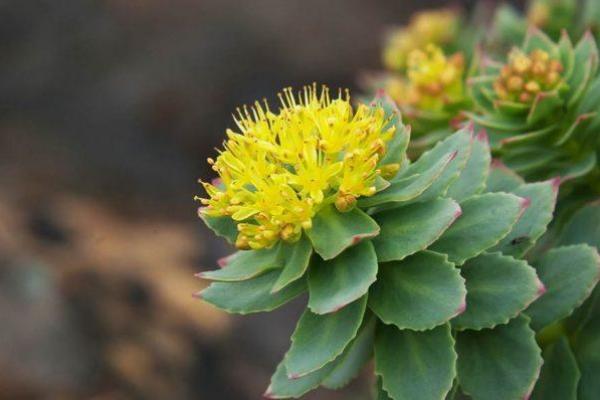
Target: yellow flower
x: 526, y: 75
x: 435, y: 26
x: 433, y: 80
x: 280, y: 168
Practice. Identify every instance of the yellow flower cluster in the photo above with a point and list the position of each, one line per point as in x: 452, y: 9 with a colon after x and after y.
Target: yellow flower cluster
x: 526, y: 75
x: 435, y: 26
x: 281, y: 167
x: 433, y: 80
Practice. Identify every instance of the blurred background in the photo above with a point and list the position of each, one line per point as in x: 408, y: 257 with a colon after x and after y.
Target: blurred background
x: 108, y: 110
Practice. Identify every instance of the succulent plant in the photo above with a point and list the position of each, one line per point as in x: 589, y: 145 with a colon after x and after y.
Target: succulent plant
x: 419, y: 265
x: 540, y: 108
x: 440, y: 27
x: 552, y: 17
x: 571, y: 347
x: 426, y: 65
x: 431, y: 93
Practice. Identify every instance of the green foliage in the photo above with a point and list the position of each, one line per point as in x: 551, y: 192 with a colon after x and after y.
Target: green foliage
x: 555, y: 134
x: 500, y: 363
x: 415, y: 365
x: 433, y: 277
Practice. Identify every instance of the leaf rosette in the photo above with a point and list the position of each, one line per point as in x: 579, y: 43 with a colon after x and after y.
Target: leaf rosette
x: 540, y: 107
x: 426, y: 273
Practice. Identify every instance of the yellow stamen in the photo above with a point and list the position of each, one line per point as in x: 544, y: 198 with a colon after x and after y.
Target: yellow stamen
x: 279, y: 168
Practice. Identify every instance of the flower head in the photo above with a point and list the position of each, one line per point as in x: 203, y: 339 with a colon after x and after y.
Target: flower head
x: 434, y: 80
x: 436, y: 26
x: 280, y: 168
x: 526, y: 75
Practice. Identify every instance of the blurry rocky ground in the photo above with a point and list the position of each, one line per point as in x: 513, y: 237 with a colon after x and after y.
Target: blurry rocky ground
x: 108, y: 110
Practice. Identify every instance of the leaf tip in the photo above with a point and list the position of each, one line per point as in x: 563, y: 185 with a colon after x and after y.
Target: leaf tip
x: 268, y: 394
x: 223, y: 261
x: 525, y: 203
x: 541, y: 288
x: 461, y: 308
x: 458, y: 212
x: 555, y: 182
x: 197, y: 295
x: 482, y: 137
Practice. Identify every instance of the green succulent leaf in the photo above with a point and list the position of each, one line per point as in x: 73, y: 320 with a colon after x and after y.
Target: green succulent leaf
x: 459, y: 143
x: 583, y: 227
x: 332, y: 231
x: 408, y: 229
x: 498, y: 289
x: 415, y: 365
x: 296, y: 258
x: 320, y: 339
x: 245, y: 265
x: 396, y: 148
x: 502, y: 179
x: 560, y: 373
x: 569, y: 274
x: 222, y: 226
x: 282, y: 387
x: 473, y: 177
x: 532, y: 224
x: 499, y: 364
x: 544, y: 105
x: 251, y: 296
x: 418, y: 293
x: 410, y: 187
x: 587, y: 350
x: 354, y: 358
x: 536, y: 39
x: 585, y: 66
x: 486, y: 219
x: 335, y: 283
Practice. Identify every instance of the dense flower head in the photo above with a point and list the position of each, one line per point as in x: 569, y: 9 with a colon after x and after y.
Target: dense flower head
x: 280, y: 168
x: 526, y: 75
x: 435, y: 26
x: 433, y: 80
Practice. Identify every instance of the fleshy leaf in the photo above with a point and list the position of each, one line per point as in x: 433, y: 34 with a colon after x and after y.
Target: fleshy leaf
x: 499, y: 364
x: 587, y: 351
x: 545, y: 104
x: 356, y: 355
x: 502, y: 179
x: 418, y: 293
x: 335, y: 283
x: 320, y: 339
x: 473, y: 177
x: 415, y: 365
x: 222, y: 226
x: 569, y: 274
x: 245, y: 264
x: 460, y: 142
x: 583, y: 227
x: 410, y: 187
x: 396, y: 148
x: 532, y: 224
x: 486, y: 219
x: 282, y: 387
x: 413, y: 227
x: 333, y: 231
x: 498, y: 288
x: 296, y: 258
x: 251, y: 296
x: 560, y: 374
